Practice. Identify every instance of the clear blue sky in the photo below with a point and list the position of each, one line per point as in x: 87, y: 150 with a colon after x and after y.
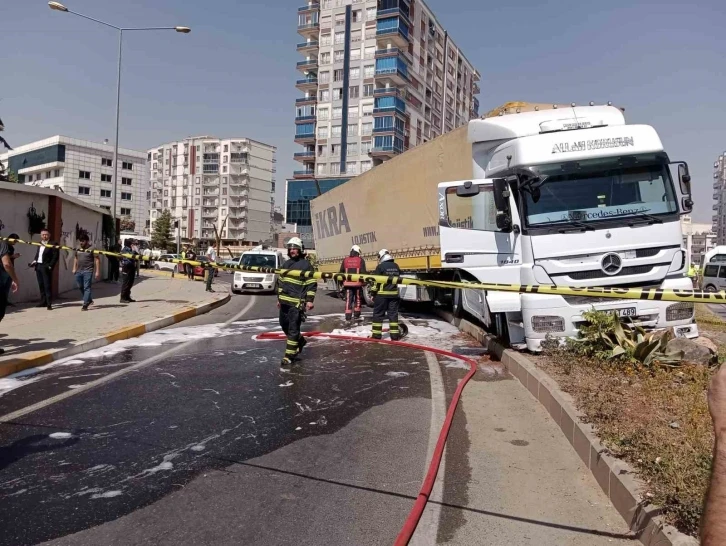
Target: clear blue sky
x: 664, y: 61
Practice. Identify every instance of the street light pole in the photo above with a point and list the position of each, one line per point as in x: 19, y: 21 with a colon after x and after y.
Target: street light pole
x: 114, y: 188
x: 57, y: 6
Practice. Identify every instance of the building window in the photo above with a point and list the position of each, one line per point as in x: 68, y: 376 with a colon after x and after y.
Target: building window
x: 365, y: 147
x: 83, y: 174
x: 325, y: 39
x: 339, y: 37
x: 47, y: 175
x: 335, y: 168
x: 325, y: 57
x: 225, y: 159
x: 353, y: 149
x: 340, y: 19
x: 368, y: 90
x: 369, y: 70
x: 196, y: 202
x: 325, y: 95
x: 351, y: 167
x: 338, y: 94
x: 365, y: 166
x: 367, y: 109
x: 125, y: 196
x: 370, y: 52
x: 127, y: 212
x: 105, y: 162
x: 125, y: 181
x: 56, y: 173
x: 353, y: 129
x: 337, y: 112
x: 355, y: 73
x: 84, y: 190
x: 355, y: 36
x: 197, y: 180
x: 322, y: 132
x: 105, y: 178
x: 366, y: 129
x: 336, y: 131
x: 355, y: 54
x: 224, y: 202
x: 338, y: 75
x: 354, y: 92
x: 352, y: 112
x: 339, y: 56
x: 166, y: 193
x: 357, y: 16
x: 224, y: 191
x: 371, y: 14
x: 224, y: 180
x: 324, y: 77
x: 226, y: 147
x: 127, y: 165
x: 224, y: 168
x: 335, y: 150
x: 323, y: 114
x: 105, y: 193
x: 322, y: 167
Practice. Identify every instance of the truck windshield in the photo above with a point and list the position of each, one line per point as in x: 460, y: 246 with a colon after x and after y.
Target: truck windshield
x: 600, y: 190
x: 258, y: 260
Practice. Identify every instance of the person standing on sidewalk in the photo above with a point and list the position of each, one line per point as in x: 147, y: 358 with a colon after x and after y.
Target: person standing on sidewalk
x: 8, y: 278
x: 212, y: 256
x: 84, y: 265
x: 128, y: 272
x: 44, y: 262
x: 191, y: 255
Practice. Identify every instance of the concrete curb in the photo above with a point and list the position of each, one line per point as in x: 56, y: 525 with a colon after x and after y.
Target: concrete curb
x: 616, y: 478
x: 41, y: 358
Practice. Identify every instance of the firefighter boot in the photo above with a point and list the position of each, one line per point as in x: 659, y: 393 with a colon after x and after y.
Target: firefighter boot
x: 301, y: 344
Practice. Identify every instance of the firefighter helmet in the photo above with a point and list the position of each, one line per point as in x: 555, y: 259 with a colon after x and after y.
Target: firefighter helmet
x: 355, y: 248
x: 295, y: 242
x: 384, y: 255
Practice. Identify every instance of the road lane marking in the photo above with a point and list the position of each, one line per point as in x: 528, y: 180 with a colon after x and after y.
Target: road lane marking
x: 106, y: 379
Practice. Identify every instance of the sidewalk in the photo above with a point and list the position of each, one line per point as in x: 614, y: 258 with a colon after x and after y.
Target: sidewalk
x: 35, y: 336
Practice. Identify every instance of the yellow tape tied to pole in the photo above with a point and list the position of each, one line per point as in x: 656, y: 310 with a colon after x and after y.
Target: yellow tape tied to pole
x: 614, y: 292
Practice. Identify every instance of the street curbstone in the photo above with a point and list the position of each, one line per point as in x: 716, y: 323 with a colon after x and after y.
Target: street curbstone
x: 615, y: 477
x: 41, y: 358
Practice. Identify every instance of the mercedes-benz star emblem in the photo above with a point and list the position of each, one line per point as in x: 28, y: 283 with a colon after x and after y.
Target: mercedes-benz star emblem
x: 611, y: 264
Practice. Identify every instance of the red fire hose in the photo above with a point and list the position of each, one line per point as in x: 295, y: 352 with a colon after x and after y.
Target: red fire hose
x: 409, y: 526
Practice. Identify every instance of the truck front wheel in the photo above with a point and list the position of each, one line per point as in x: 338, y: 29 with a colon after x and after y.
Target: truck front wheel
x: 457, y: 301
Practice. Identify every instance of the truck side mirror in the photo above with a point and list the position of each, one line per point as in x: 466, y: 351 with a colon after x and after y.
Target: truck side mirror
x: 501, y: 202
x: 687, y: 204
x: 684, y: 179
x: 468, y: 189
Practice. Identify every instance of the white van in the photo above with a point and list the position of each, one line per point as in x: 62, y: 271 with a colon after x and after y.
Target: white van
x: 714, y: 277
x: 248, y: 281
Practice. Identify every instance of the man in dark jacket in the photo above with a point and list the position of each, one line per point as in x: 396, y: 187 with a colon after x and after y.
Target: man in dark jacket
x: 386, y: 298
x: 128, y: 271
x: 295, y: 296
x: 44, y: 262
x: 353, y: 289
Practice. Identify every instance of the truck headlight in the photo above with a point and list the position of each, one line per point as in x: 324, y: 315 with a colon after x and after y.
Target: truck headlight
x: 679, y: 311
x: 543, y: 324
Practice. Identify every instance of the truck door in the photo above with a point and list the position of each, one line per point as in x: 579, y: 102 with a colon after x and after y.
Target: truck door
x: 471, y: 241
x: 470, y: 238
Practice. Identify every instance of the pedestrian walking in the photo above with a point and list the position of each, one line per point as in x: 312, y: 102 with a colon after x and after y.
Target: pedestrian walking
x: 295, y: 296
x: 191, y: 255
x: 353, y: 289
x: 8, y: 278
x: 386, y: 300
x: 46, y: 258
x: 84, y: 266
x: 212, y: 256
x: 128, y: 272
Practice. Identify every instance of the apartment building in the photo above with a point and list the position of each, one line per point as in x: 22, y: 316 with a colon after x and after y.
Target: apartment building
x: 378, y: 77
x: 203, y: 180
x: 697, y: 239
x: 719, y: 207
x: 84, y: 169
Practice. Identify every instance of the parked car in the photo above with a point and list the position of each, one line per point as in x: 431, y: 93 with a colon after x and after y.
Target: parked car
x: 167, y: 266
x: 199, y: 269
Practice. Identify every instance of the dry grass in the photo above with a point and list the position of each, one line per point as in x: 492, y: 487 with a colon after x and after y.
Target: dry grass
x: 656, y: 419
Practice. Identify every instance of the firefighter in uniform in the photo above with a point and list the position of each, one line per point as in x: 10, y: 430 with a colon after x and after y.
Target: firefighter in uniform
x: 295, y: 296
x: 353, y: 289
x: 386, y: 298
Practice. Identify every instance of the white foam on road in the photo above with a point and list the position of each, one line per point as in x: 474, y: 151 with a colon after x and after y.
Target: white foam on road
x: 397, y: 374
x: 107, y: 495
x: 60, y: 435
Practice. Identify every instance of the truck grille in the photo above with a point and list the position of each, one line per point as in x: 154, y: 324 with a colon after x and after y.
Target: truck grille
x: 600, y: 274
x: 584, y: 300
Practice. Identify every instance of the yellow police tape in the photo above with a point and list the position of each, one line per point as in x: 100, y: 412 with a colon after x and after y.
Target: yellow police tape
x: 653, y: 294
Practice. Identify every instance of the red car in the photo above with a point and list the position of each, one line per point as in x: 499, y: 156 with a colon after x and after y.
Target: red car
x: 199, y: 270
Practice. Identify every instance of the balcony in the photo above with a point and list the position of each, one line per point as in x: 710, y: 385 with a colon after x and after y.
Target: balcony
x: 475, y: 88
x: 716, y: 184
x: 393, y: 12
x: 379, y: 131
x: 312, y: 99
x: 210, y: 213
x: 387, y: 92
x: 716, y: 194
x: 307, y: 84
x: 238, y: 170
x: 305, y: 138
x: 385, y: 151
x: 210, y: 182
x: 307, y: 64
x: 303, y: 175
x: 304, y: 156
x: 308, y: 29
x: 394, y: 75
x: 238, y: 215
x: 310, y: 47
x: 313, y: 6
x: 390, y: 106
x: 394, y: 33
x: 305, y: 119
x: 393, y: 52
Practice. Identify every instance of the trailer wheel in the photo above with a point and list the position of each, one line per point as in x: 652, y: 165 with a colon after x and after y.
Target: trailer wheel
x: 457, y: 300
x: 367, y: 296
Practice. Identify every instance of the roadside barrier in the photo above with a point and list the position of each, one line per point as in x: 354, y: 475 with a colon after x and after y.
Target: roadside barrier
x: 614, y: 292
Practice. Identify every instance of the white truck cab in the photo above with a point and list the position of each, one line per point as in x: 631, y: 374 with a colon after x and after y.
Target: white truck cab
x: 566, y: 197
x: 259, y: 256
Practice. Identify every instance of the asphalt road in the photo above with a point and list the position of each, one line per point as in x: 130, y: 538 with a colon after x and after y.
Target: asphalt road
x: 199, y: 437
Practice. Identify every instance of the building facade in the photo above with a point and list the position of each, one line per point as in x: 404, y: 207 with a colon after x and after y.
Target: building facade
x: 719, y: 206
x: 203, y: 180
x: 84, y: 170
x: 378, y: 77
x: 697, y: 239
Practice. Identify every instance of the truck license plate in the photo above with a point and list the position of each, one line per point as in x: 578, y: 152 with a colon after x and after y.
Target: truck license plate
x: 626, y: 311
x: 253, y: 285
